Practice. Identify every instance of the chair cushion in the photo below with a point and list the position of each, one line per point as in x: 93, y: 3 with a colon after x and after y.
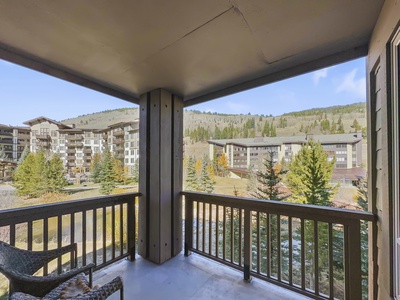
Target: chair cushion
x: 55, y: 293
x: 52, y: 295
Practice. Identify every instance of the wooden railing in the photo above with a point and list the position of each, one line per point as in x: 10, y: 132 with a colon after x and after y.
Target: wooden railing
x: 313, y: 250
x: 104, y: 228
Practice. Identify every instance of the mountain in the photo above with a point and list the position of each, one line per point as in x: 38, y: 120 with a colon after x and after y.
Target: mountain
x: 201, y: 126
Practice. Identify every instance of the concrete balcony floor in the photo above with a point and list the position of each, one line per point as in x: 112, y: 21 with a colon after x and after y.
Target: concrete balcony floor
x: 193, y: 277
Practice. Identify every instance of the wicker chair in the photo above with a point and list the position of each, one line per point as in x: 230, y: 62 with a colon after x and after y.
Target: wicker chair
x: 20, y: 265
x: 100, y: 293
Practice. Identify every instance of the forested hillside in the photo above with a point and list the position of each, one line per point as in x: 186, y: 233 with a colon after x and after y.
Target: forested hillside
x: 201, y: 126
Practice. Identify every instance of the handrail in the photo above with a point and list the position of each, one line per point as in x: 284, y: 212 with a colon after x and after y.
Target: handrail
x: 319, y: 213
x: 118, y: 212
x: 261, y: 237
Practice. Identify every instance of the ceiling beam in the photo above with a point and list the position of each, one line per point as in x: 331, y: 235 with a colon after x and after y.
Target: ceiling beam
x: 313, y: 65
x: 26, y: 60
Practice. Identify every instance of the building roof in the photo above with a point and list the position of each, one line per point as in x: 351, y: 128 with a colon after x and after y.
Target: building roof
x: 347, y: 138
x: 14, y: 127
x: 199, y: 50
x: 44, y: 119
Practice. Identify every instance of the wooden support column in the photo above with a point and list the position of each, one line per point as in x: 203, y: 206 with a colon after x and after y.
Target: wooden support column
x: 160, y: 175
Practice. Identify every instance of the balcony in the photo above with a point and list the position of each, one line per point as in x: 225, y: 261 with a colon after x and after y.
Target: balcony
x: 118, y: 141
x: 6, y: 141
x: 70, y: 151
x: 262, y: 248
x: 74, y: 144
x: 71, y: 157
x: 42, y: 137
x: 119, y: 148
x: 71, y: 164
x: 77, y: 137
x: 86, y: 164
x: 87, y: 151
x: 118, y: 132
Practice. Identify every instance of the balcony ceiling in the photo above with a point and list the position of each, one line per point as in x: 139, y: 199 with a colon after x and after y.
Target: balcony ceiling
x: 199, y: 50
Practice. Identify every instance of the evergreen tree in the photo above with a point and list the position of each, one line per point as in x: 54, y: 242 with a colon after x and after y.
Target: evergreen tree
x: 95, y: 167
x: 191, y: 178
x: 24, y: 179
x: 107, y: 174
x: 309, y: 175
x: 269, y: 180
x: 24, y: 154
x: 307, y: 179
x: 267, y: 189
x: 206, y: 183
x: 55, y: 174
x: 37, y: 175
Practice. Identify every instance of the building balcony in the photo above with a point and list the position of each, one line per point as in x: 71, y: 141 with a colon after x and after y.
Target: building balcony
x: 119, y: 148
x: 86, y: 164
x: 118, y: 132
x: 71, y: 157
x: 74, y: 144
x: 285, y: 244
x: 42, y: 137
x: 77, y: 137
x: 87, y: 151
x: 70, y: 151
x: 71, y: 164
x: 118, y: 141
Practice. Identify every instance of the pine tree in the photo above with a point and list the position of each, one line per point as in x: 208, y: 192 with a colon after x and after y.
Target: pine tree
x: 24, y: 154
x: 24, y: 175
x: 268, y: 180
x: 37, y: 175
x: 95, y: 167
x: 107, y: 174
x: 191, y: 178
x: 206, y: 183
x: 309, y: 175
x: 55, y: 174
x: 268, y: 189
x: 308, y: 180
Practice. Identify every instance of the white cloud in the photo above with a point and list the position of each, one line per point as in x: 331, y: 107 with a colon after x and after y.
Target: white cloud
x: 352, y: 85
x: 317, y: 75
x: 237, y: 108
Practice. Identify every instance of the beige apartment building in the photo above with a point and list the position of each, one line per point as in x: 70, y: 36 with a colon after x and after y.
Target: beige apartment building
x: 246, y: 152
x: 13, y: 140
x: 77, y: 146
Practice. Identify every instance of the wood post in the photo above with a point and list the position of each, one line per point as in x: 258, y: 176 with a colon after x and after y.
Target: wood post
x: 160, y: 175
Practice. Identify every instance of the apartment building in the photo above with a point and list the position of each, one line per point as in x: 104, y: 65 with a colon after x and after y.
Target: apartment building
x: 13, y: 140
x: 243, y: 153
x: 76, y: 146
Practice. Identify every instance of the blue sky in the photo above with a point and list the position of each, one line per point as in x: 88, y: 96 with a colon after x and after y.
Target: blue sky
x: 26, y: 94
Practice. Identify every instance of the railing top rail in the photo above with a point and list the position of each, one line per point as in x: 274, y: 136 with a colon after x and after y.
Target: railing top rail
x: 31, y: 213
x: 306, y: 211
